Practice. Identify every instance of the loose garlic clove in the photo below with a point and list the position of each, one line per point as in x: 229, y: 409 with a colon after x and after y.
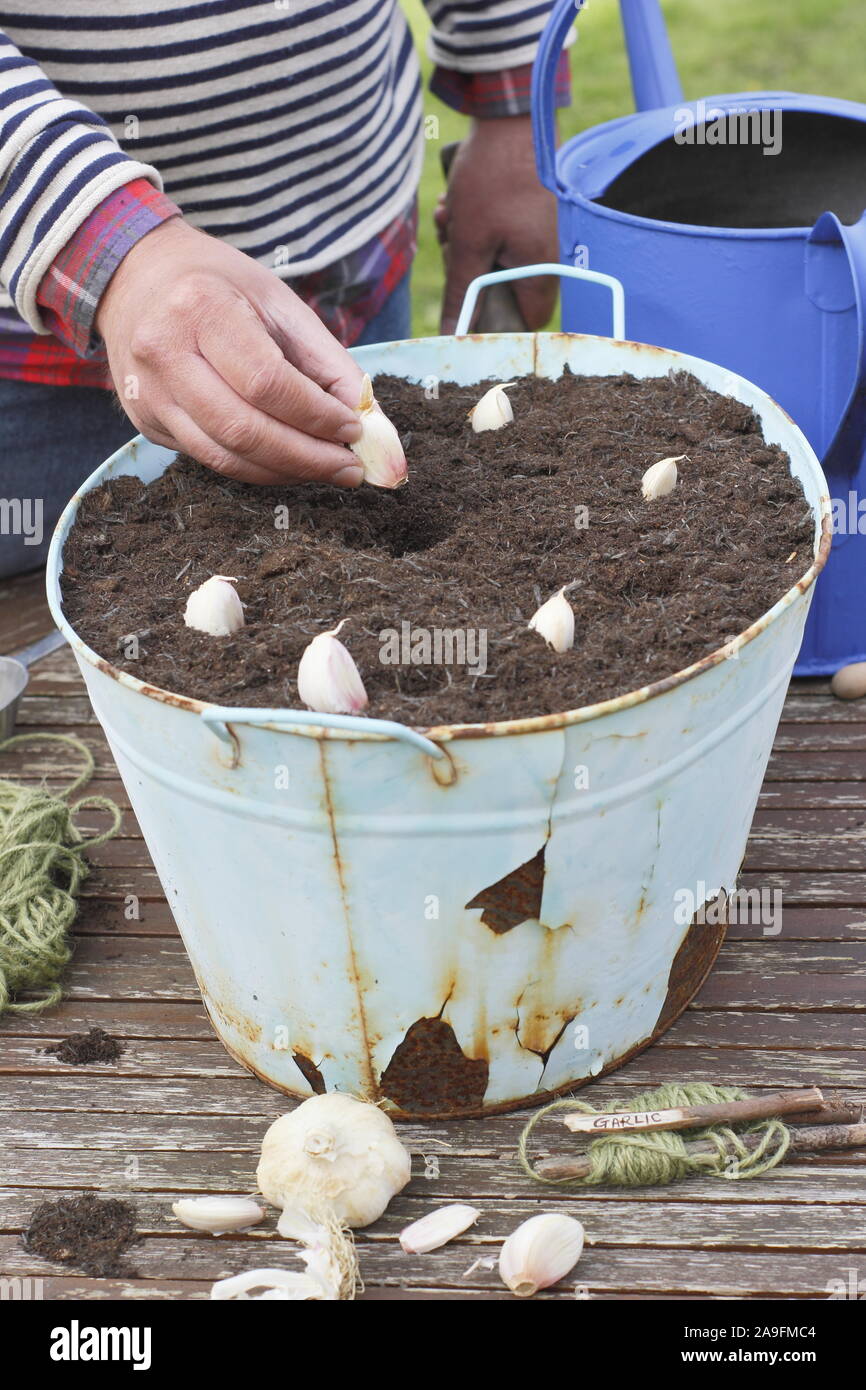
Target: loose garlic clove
x: 540, y: 1253
x: 284, y: 1284
x: 214, y: 607
x: 379, y: 447
x: 328, y: 679
x: 218, y: 1214
x: 493, y: 410
x: 660, y: 478
x: 554, y: 621
x: 437, y: 1228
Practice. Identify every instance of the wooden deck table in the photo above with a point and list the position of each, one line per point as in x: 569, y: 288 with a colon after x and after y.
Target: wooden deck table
x: 176, y: 1115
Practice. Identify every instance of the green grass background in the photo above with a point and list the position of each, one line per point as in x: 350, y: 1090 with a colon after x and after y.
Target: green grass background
x: 720, y: 45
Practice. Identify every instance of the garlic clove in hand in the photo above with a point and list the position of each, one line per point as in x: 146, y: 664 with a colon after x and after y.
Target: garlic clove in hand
x: 493, y: 410
x: 660, y: 478
x: 218, y: 1214
x: 328, y: 679
x: 334, y: 1158
x: 554, y: 621
x: 437, y: 1228
x: 379, y: 447
x: 214, y: 607
x: 540, y: 1253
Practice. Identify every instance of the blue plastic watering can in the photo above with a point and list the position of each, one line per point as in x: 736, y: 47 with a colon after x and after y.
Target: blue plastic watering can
x: 736, y: 226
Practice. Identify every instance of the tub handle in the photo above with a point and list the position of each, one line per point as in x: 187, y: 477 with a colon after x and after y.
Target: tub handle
x: 219, y: 717
x: 521, y: 272
x: 654, y: 77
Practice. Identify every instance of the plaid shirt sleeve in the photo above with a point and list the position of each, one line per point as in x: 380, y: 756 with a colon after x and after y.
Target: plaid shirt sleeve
x: 71, y: 288
x: 503, y: 93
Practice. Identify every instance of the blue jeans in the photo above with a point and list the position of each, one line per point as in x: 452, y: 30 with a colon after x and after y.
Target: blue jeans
x: 53, y: 437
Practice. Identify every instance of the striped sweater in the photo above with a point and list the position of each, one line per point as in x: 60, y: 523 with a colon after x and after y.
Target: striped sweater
x: 291, y: 129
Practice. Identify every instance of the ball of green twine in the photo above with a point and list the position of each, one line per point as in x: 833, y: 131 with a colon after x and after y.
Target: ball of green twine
x: 42, y: 866
x: 661, y: 1157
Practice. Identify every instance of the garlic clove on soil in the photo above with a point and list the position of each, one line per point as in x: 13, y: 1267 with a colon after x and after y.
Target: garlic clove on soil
x: 660, y: 478
x: 214, y: 607
x: 328, y: 679
x: 379, y: 447
x: 554, y: 621
x: 218, y: 1214
x: 540, y: 1253
x: 437, y: 1228
x: 493, y: 410
x: 333, y: 1157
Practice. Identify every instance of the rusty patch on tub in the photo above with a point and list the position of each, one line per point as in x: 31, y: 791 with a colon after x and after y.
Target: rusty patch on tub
x: 693, y: 960
x: 310, y: 1073
x: 513, y: 899
x: 231, y: 1017
x: 429, y: 1073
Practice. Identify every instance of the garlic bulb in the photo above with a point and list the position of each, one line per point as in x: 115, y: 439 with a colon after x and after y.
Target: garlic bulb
x: 379, y: 447
x: 334, y: 1156
x: 214, y: 607
x: 660, y: 478
x: 493, y: 410
x: 554, y: 621
x: 218, y: 1214
x: 437, y: 1228
x: 328, y: 679
x: 540, y: 1253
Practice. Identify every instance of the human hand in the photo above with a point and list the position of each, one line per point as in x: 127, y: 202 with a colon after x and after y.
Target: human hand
x: 213, y: 355
x: 495, y: 210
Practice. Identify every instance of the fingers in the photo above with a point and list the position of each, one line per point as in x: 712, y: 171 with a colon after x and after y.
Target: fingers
x: 464, y: 262
x: 536, y: 299
x: 242, y: 352
x: 245, y: 442
x: 310, y: 347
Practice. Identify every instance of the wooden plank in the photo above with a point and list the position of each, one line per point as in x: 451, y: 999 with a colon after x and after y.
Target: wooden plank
x: 120, y: 1088
x: 812, y: 795
x: 611, y: 1223
x: 713, y: 1272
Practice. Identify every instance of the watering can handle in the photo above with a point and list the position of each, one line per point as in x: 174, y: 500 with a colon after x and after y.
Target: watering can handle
x: 218, y: 718
x: 845, y: 450
x: 521, y: 272
x: 653, y: 70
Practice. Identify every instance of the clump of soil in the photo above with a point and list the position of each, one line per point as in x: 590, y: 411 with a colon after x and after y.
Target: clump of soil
x: 488, y: 527
x: 79, y: 1049
x: 90, y: 1232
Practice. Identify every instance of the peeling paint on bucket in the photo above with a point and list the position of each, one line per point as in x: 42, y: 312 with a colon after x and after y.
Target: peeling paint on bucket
x: 472, y: 934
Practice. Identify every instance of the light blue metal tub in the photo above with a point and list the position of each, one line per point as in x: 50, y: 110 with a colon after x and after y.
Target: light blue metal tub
x: 328, y: 923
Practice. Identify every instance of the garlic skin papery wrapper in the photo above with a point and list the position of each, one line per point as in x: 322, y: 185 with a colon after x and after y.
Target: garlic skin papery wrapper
x: 333, y: 1157
x: 660, y: 478
x: 493, y: 410
x: 554, y: 621
x: 437, y: 1228
x: 285, y: 1285
x: 540, y: 1253
x: 218, y: 1214
x: 214, y: 607
x: 379, y: 447
x: 328, y: 679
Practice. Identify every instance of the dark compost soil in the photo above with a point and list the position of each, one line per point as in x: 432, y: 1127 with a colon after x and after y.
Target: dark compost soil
x: 89, y: 1232
x: 80, y: 1049
x: 486, y: 529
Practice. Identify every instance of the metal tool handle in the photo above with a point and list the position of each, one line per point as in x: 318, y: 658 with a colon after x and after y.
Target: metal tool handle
x: 845, y: 450
x: 653, y: 71
x: 218, y: 717
x: 521, y: 272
